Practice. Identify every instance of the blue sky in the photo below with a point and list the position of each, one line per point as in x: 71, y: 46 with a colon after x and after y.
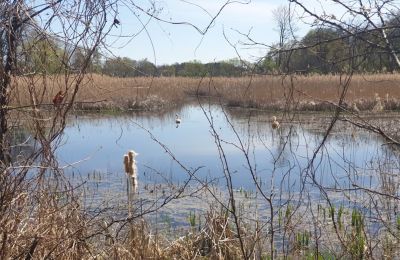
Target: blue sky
x: 178, y: 43
x: 140, y: 36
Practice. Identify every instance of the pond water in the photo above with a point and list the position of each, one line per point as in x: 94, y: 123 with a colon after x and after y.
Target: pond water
x: 278, y: 157
x: 209, y: 143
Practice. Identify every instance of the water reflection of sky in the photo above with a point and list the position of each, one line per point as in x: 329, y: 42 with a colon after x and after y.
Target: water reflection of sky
x: 282, y: 154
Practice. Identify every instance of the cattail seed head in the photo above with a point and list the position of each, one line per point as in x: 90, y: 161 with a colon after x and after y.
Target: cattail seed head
x: 126, y: 163
x: 132, y: 154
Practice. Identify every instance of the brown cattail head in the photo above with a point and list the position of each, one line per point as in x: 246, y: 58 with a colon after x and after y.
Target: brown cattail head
x: 131, y: 164
x: 132, y: 154
x: 131, y: 167
x: 354, y: 107
x: 126, y: 163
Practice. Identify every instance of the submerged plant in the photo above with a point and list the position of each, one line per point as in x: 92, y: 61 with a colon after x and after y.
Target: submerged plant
x: 398, y: 222
x: 192, y: 219
x: 357, y: 243
x: 332, y: 211
x: 280, y: 217
x: 339, y: 217
x: 303, y: 239
x: 356, y: 220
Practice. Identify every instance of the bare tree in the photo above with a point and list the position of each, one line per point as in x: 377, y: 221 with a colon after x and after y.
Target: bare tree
x: 365, y: 21
x: 286, y: 27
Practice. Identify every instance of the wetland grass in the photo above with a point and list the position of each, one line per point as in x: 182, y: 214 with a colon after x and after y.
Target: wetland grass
x: 312, y: 92
x: 59, y: 226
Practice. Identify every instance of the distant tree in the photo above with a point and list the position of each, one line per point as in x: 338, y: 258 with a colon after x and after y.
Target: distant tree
x: 146, y: 68
x: 42, y: 55
x: 324, y: 54
x: 95, y: 65
x: 269, y: 65
x: 228, y: 70
x: 120, y: 67
x: 167, y: 70
x: 192, y: 69
x: 286, y: 28
x: 368, y: 27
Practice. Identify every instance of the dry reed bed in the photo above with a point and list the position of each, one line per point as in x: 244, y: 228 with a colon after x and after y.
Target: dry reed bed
x: 265, y: 92
x: 56, y: 227
x: 43, y: 225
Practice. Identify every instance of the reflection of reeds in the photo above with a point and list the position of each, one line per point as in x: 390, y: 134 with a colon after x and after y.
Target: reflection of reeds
x: 270, y: 92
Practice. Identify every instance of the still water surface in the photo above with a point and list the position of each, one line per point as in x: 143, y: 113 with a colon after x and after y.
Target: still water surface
x: 277, y: 157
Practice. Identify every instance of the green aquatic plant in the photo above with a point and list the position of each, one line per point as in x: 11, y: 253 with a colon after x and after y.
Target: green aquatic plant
x: 357, y: 243
x: 288, y: 211
x: 313, y: 255
x: 339, y: 217
x: 389, y: 246
x: 280, y: 217
x: 167, y: 219
x: 398, y: 222
x: 356, y: 220
x: 192, y: 218
x: 332, y: 211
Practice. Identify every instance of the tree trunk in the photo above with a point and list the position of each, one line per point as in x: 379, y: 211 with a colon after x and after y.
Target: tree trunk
x: 5, y: 81
x: 4, y: 153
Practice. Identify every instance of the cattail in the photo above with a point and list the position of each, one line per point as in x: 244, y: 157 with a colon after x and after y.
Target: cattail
x: 131, y: 155
x: 131, y: 167
x: 126, y: 163
x: 377, y: 98
x: 378, y: 105
x: 355, y: 108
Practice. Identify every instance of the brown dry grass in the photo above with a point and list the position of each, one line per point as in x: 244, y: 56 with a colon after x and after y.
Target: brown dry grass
x: 265, y: 92
x: 58, y: 228
x: 46, y: 226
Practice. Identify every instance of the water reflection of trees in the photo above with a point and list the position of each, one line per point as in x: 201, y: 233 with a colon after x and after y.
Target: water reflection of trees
x: 150, y: 119
x: 22, y: 144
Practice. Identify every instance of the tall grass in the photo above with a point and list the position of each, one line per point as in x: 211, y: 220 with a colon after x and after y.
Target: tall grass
x: 312, y: 92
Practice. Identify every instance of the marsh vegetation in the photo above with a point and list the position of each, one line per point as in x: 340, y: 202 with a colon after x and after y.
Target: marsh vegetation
x: 307, y: 92
x: 296, y: 157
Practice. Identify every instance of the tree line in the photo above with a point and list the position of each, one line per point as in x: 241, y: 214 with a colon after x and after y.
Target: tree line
x: 322, y: 50
x: 325, y: 50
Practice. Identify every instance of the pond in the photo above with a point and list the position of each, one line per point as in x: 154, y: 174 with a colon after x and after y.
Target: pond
x: 278, y: 158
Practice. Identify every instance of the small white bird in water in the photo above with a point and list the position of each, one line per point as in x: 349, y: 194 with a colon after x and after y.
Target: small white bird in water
x: 275, y: 124
x: 177, y: 119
